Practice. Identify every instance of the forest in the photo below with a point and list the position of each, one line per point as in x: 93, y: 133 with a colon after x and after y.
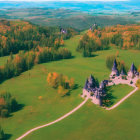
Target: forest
x: 21, y: 35
x: 119, y: 36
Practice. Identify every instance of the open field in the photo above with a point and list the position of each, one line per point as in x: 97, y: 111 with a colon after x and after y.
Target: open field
x: 91, y: 121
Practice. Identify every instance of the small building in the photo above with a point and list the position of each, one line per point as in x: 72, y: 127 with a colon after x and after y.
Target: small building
x: 63, y: 31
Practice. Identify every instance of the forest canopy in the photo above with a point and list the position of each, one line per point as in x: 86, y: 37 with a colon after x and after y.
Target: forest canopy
x: 120, y: 36
x: 21, y: 35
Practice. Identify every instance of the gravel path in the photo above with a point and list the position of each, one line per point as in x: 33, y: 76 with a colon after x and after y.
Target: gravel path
x: 123, y: 99
x: 59, y: 119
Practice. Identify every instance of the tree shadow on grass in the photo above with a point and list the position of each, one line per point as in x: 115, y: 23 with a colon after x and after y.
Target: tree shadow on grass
x: 7, y: 136
x: 108, y: 100
x: 92, y: 55
x: 69, y: 92
x: 18, y: 107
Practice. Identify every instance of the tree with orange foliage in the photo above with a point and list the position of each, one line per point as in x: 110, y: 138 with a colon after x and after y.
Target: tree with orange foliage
x: 53, y: 79
x: 61, y: 82
x: 139, y: 69
x: 138, y: 83
x: 71, y: 83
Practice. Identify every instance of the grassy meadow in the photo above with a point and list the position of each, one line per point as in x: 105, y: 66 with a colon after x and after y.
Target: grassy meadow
x: 88, y: 123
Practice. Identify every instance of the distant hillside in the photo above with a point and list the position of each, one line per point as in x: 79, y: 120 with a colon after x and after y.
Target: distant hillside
x: 84, y: 22
x: 63, y: 17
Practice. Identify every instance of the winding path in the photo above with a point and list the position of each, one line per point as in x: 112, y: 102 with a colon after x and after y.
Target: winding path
x: 75, y: 109
x: 59, y: 119
x: 123, y: 99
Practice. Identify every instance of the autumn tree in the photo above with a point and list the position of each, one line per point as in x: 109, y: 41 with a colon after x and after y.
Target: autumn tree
x: 138, y: 83
x: 8, y: 104
x: 61, y: 82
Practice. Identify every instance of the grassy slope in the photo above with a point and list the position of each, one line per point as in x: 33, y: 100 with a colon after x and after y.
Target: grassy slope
x: 27, y: 87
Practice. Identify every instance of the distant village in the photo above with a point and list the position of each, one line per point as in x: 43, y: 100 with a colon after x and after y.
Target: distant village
x: 97, y: 92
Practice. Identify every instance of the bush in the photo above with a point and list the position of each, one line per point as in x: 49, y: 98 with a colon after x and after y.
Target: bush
x: 7, y: 104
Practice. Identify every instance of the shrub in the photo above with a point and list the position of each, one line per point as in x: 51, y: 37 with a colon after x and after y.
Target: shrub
x: 7, y: 104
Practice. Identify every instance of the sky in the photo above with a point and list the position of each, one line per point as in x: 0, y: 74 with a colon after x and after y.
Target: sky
x: 67, y: 0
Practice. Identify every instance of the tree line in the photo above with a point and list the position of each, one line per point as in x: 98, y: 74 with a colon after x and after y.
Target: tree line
x: 120, y: 36
x: 24, y: 61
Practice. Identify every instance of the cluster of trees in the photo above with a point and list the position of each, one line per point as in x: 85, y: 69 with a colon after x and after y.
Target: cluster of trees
x: 136, y: 41
x: 2, y: 135
x: 87, y: 45
x: 117, y: 39
x: 120, y: 63
x: 25, y: 36
x: 60, y: 82
x: 8, y: 104
x: 26, y: 60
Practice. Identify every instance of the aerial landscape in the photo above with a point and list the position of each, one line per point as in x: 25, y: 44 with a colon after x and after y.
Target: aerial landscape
x: 69, y: 70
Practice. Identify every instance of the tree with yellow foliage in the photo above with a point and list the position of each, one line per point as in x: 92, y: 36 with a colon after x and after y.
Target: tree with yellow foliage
x: 139, y: 69
x: 61, y: 82
x: 138, y: 83
x: 62, y: 91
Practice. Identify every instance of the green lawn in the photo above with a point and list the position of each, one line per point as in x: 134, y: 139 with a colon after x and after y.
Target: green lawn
x: 93, y: 123
x: 90, y: 121
x: 117, y: 92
